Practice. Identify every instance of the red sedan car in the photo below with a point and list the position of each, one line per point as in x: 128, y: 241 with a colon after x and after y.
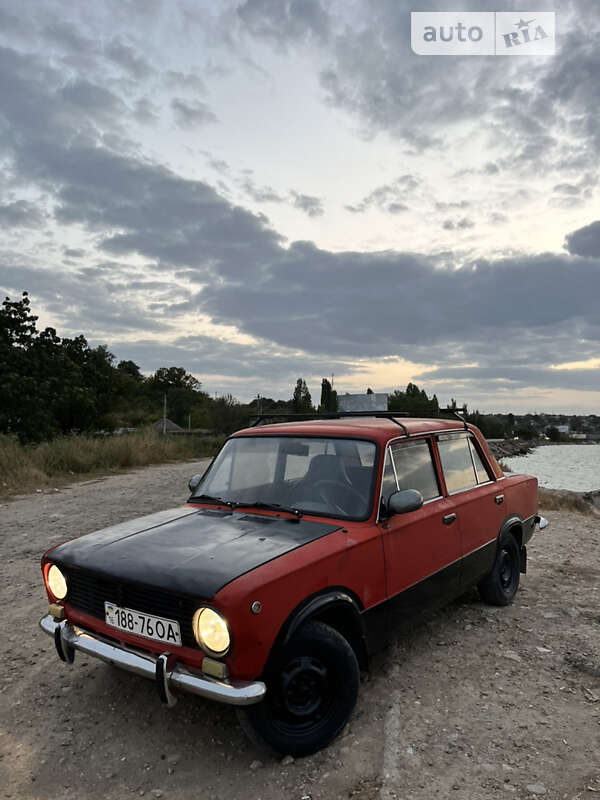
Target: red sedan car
x: 303, y: 548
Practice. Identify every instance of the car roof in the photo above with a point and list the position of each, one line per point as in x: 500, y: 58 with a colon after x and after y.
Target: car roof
x: 381, y: 429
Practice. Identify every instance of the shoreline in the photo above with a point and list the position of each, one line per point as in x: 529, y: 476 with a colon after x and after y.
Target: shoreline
x: 587, y: 503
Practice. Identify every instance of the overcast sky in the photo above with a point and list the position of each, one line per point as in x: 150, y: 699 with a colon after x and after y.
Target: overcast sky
x: 266, y: 189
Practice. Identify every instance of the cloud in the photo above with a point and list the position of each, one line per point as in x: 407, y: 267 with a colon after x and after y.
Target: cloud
x: 175, y: 79
x: 191, y: 114
x: 145, y: 111
x: 458, y: 225
x: 459, y: 204
x: 129, y: 59
x: 359, y: 305
x: 507, y: 376
x: 387, y: 197
x: 285, y: 20
x: 261, y: 194
x: 98, y: 102
x: 252, y: 367
x: 21, y: 214
x: 566, y: 188
x: 312, y: 206
x: 156, y: 247
x: 585, y: 241
x: 100, y: 296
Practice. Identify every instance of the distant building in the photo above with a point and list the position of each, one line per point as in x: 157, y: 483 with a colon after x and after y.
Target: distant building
x: 362, y: 402
x: 578, y: 436
x: 563, y: 428
x: 169, y: 426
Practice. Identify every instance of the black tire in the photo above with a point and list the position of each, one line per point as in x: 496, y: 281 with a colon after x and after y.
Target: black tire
x: 499, y: 587
x: 311, y: 690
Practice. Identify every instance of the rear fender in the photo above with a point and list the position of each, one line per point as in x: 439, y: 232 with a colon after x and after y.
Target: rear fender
x: 521, y: 529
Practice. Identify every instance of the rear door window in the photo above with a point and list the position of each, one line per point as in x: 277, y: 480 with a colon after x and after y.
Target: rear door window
x: 414, y: 468
x: 462, y: 465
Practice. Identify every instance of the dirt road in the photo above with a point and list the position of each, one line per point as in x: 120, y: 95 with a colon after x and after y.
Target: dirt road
x: 477, y: 703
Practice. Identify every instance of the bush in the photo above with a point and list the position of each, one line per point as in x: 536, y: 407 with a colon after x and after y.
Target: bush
x: 24, y: 468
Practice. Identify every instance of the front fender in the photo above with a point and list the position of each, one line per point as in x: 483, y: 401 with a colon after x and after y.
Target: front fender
x: 327, y: 600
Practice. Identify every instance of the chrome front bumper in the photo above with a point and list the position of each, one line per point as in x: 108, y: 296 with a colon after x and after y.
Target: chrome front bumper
x: 168, y: 674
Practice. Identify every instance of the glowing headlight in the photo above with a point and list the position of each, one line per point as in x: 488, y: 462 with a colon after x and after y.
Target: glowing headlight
x: 57, y: 583
x: 211, y: 632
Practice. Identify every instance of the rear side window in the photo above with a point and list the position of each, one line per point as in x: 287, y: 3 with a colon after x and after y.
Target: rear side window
x: 480, y: 470
x: 463, y: 468
x: 414, y: 468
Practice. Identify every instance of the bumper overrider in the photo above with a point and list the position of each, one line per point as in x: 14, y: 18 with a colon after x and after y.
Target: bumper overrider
x: 168, y: 674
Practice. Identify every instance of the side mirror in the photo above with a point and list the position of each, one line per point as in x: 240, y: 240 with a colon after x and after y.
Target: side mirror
x: 405, y: 501
x: 194, y: 483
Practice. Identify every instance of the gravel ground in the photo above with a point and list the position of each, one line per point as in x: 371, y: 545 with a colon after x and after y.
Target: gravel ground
x: 476, y: 703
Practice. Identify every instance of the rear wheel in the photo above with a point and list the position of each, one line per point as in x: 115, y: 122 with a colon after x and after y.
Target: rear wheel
x: 500, y: 586
x: 311, y: 691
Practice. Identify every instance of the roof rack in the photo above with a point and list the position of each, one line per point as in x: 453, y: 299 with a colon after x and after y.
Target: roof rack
x: 456, y: 414
x: 283, y: 415
x: 391, y: 415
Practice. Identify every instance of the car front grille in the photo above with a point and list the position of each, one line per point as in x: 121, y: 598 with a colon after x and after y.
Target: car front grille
x: 88, y: 592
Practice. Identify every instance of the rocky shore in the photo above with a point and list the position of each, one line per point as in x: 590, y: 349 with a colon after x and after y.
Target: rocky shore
x: 506, y: 448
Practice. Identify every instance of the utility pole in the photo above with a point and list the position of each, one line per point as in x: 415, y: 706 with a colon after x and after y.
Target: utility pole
x: 164, y: 413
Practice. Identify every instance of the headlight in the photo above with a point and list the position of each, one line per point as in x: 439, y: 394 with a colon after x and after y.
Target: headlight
x: 57, y: 583
x: 211, y: 631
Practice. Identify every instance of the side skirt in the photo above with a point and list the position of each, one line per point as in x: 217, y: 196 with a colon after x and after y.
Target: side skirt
x: 406, y: 609
x: 477, y: 564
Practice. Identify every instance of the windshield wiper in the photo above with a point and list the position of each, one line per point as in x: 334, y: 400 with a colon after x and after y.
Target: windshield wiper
x: 208, y: 498
x: 271, y: 507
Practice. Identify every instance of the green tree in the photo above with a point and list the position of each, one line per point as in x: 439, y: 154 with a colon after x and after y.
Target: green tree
x: 553, y: 434
x: 301, y: 399
x: 174, y: 378
x: 183, y: 392
x: 328, y: 397
x: 131, y: 369
x: 413, y: 400
x: 228, y: 414
x: 50, y: 385
x: 525, y: 432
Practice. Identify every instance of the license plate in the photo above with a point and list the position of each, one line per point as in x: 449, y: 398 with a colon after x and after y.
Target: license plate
x: 158, y: 628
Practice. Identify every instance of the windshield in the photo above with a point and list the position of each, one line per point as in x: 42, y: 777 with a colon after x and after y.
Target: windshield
x: 332, y: 477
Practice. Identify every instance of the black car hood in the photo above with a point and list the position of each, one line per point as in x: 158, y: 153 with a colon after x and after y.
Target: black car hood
x: 192, y: 551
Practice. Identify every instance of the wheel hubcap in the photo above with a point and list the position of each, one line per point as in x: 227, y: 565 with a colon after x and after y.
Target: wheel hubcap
x: 304, y: 687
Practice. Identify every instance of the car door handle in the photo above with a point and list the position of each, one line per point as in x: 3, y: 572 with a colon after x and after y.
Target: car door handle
x: 448, y: 519
x: 499, y: 499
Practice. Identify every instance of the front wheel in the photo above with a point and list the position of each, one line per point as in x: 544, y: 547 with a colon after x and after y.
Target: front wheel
x: 500, y: 586
x: 311, y: 690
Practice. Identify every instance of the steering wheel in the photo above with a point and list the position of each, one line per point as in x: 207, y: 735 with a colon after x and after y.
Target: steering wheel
x: 319, y: 487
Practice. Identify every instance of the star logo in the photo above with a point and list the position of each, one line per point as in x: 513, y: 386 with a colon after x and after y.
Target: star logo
x: 524, y: 23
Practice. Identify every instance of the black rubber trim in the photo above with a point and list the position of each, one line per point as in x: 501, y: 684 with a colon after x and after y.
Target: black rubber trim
x: 328, y: 599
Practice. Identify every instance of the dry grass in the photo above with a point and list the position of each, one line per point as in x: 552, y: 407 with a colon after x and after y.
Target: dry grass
x: 27, y: 468
x: 563, y: 500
